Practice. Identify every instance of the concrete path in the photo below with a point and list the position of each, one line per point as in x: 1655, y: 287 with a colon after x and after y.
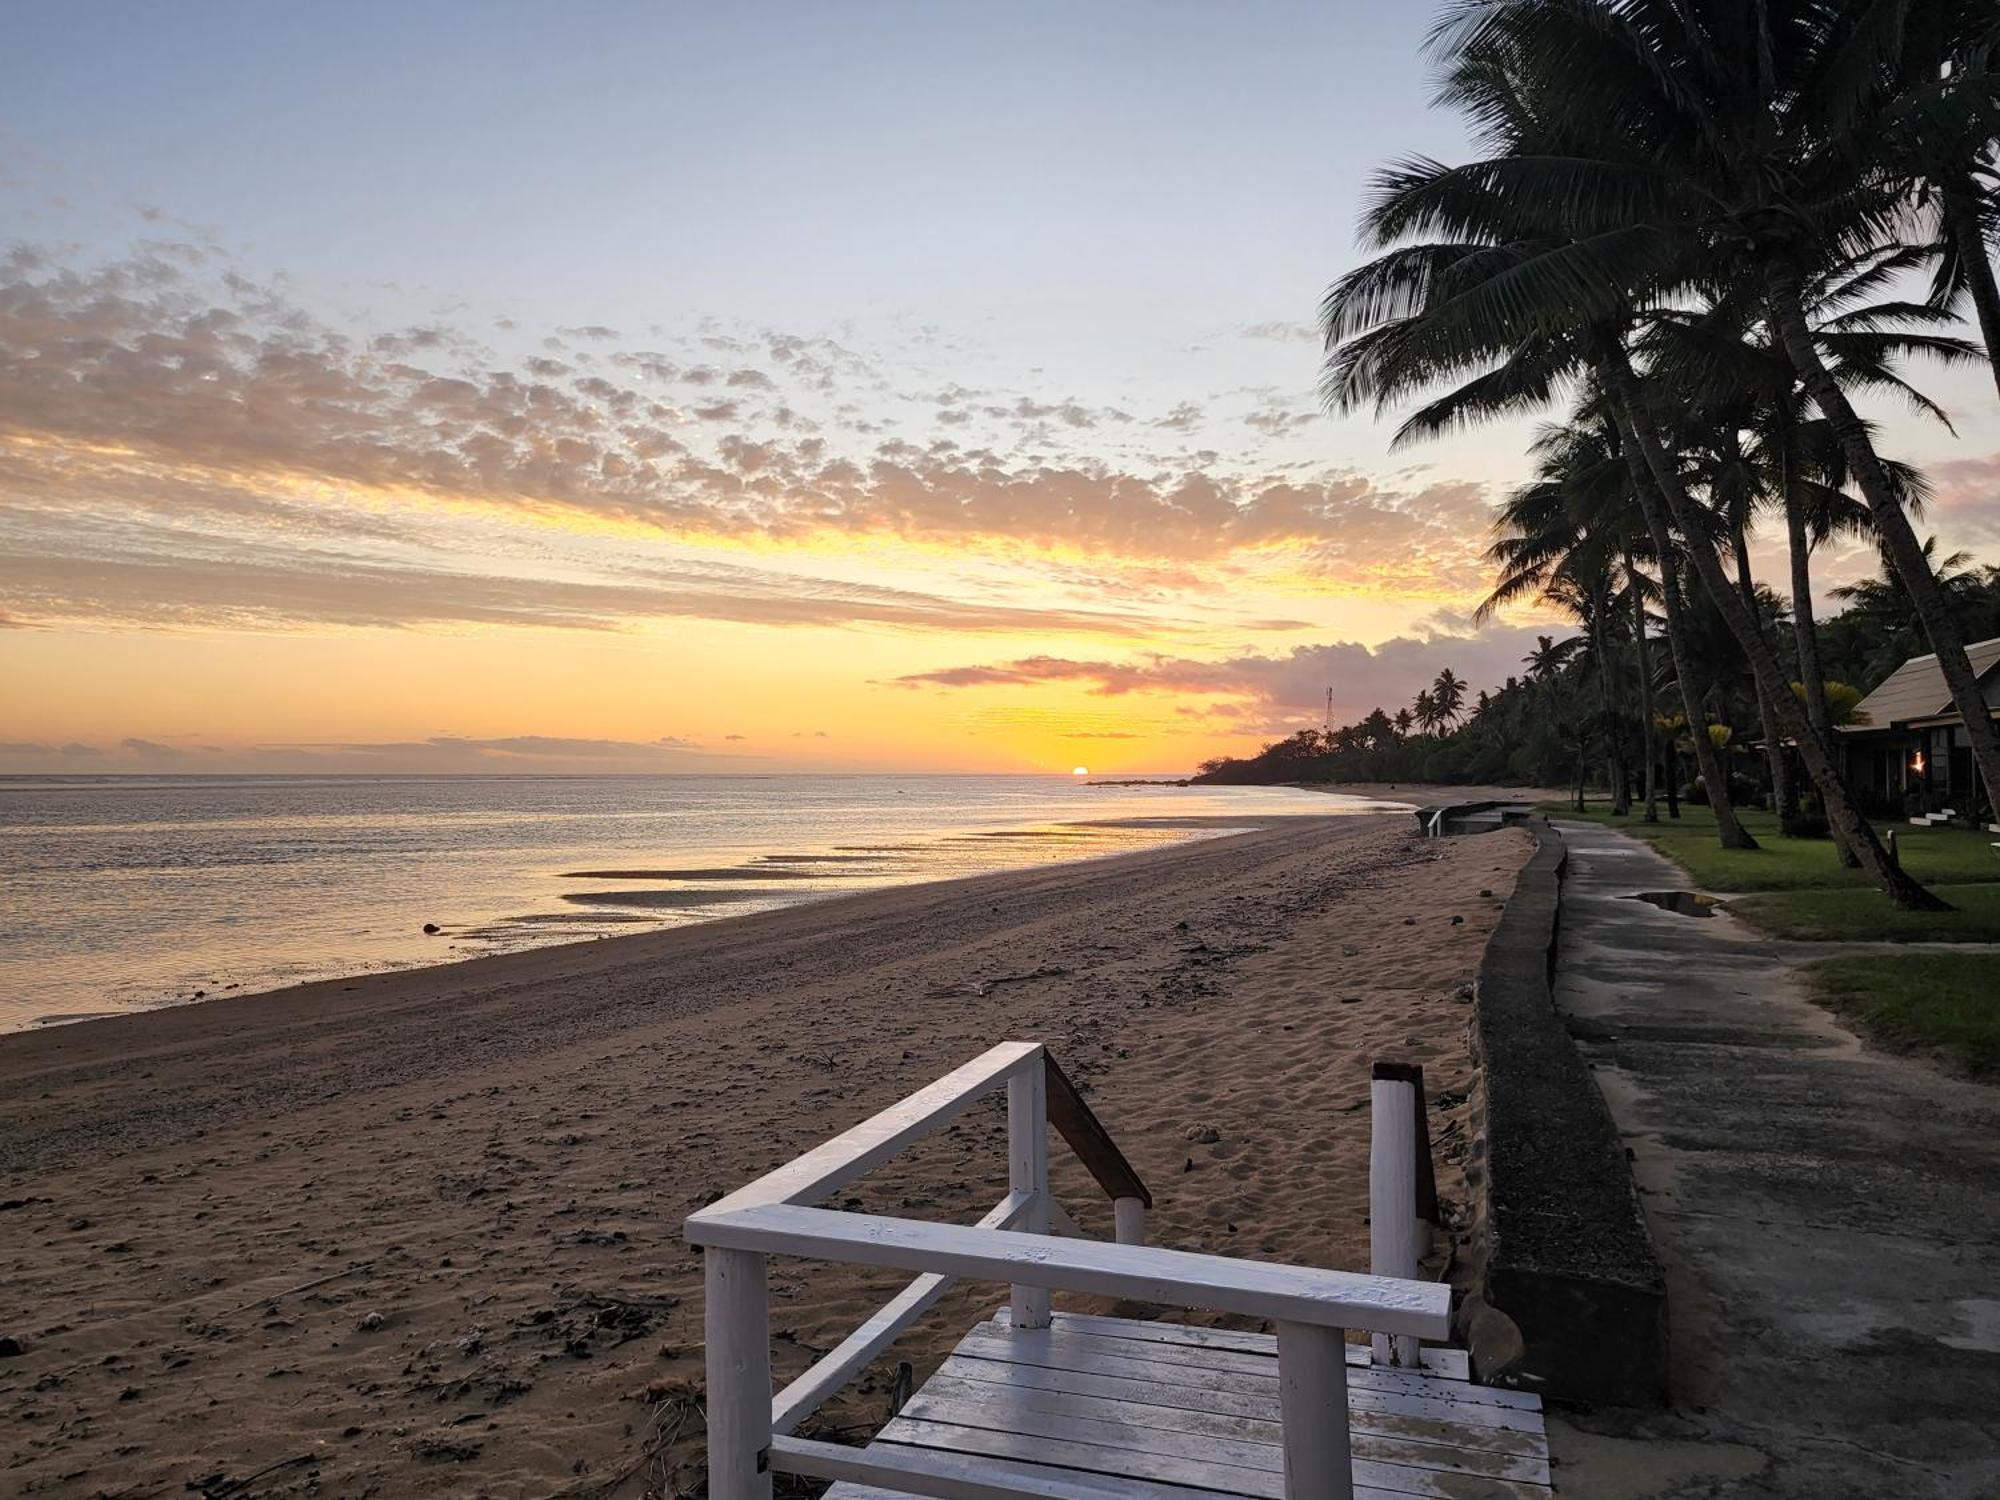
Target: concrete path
x: 1829, y: 1215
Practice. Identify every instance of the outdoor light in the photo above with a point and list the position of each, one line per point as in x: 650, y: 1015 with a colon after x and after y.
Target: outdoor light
x: 1917, y: 762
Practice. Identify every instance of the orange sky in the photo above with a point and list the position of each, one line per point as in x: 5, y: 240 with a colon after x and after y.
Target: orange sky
x: 677, y: 405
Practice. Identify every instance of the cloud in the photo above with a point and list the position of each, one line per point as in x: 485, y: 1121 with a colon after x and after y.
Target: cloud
x: 24, y: 747
x: 1277, y: 422
x: 1361, y: 677
x: 1963, y: 501
x: 138, y: 574
x: 150, y: 748
x: 1281, y: 332
x: 148, y: 369
x: 531, y: 745
x: 76, y: 751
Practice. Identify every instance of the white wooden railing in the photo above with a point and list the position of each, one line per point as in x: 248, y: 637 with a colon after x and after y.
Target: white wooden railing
x: 750, y: 1433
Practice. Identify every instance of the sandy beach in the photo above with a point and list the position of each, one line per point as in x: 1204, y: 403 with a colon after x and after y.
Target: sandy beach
x: 418, y: 1233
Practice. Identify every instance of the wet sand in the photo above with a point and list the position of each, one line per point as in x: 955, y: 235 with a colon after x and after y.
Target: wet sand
x: 418, y: 1233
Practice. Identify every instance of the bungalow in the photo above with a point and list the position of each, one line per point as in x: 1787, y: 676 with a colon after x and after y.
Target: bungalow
x: 1907, y: 751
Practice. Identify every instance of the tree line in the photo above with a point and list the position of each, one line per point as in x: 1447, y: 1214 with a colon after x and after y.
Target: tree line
x: 1694, y: 233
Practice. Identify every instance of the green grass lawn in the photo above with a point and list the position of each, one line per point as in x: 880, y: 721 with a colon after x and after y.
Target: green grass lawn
x: 1944, y: 1001
x: 1802, y: 891
x: 1936, y: 856
x: 1832, y: 916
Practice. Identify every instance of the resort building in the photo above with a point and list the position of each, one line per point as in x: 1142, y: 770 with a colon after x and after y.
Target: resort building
x: 1907, y: 750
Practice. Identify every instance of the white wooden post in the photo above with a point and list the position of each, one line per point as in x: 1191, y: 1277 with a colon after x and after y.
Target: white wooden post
x: 1312, y: 1404
x: 1128, y: 1216
x: 738, y: 1331
x: 1393, y: 1248
x: 1028, y: 1171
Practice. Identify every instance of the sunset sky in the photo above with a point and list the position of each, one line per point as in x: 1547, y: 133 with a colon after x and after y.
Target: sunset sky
x: 742, y: 388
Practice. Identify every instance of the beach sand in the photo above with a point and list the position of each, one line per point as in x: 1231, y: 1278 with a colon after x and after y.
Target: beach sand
x: 419, y: 1233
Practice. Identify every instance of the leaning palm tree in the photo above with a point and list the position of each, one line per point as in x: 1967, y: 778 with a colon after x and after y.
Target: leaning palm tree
x: 1765, y: 448
x: 1524, y: 271
x: 1771, y: 141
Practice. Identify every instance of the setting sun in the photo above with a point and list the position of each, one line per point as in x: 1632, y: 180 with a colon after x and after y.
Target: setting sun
x: 1080, y: 771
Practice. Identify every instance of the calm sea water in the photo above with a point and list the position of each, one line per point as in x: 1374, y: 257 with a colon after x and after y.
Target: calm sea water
x: 122, y: 893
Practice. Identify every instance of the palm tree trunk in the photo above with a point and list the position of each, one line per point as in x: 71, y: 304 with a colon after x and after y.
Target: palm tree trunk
x: 1818, y: 758
x: 1899, y: 539
x: 1774, y: 743
x: 1644, y: 663
x: 1707, y: 764
x: 1621, y: 787
x: 1805, y: 630
x: 1964, y: 221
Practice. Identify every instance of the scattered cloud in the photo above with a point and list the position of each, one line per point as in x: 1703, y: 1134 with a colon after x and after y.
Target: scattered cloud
x: 124, y: 374
x: 1361, y: 677
x: 152, y: 576
x: 150, y: 748
x: 1281, y: 332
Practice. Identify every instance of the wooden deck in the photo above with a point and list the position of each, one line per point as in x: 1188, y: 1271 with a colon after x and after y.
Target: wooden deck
x: 1165, y: 1411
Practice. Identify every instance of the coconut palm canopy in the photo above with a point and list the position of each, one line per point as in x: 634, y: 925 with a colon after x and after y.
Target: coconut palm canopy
x: 1694, y: 235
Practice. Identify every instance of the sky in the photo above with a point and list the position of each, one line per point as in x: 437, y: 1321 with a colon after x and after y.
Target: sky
x: 659, y: 387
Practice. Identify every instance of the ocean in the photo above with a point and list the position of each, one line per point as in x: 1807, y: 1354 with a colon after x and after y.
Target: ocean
x: 126, y: 893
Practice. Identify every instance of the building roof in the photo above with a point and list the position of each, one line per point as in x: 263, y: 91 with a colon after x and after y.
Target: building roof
x: 1916, y: 689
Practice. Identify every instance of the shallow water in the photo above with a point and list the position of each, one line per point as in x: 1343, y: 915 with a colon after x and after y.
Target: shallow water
x: 123, y: 893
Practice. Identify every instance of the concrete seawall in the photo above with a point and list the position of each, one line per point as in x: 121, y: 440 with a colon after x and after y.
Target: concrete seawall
x: 1567, y: 1297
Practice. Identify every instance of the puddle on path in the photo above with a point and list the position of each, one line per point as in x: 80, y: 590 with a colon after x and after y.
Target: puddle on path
x: 1681, y: 903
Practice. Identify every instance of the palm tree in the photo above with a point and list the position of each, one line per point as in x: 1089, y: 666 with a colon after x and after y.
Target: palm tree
x: 1551, y: 675
x: 1428, y: 717
x: 1765, y: 449
x: 1448, y: 692
x: 1529, y: 268
x: 1404, y: 719
x: 1769, y: 141
x: 1553, y: 544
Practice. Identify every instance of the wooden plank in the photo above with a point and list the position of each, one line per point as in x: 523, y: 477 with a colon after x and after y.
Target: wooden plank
x: 1023, y: 1409
x: 836, y: 1367
x: 1446, y: 1364
x: 855, y: 1152
x: 1180, y: 1364
x: 1108, y: 1465
x: 1054, y: 1454
x: 1088, y: 1138
x: 1246, y: 1396
x: 1197, y: 1411
x: 1332, y: 1299
x: 1163, y: 1331
x: 905, y: 1470
x: 1438, y: 1363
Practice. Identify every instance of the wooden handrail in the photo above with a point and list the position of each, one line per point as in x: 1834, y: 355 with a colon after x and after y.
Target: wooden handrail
x: 1180, y: 1278
x: 1088, y: 1138
x: 748, y: 1430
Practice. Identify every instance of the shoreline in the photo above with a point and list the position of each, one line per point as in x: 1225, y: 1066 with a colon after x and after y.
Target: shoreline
x: 380, y: 903
x: 424, y: 1227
